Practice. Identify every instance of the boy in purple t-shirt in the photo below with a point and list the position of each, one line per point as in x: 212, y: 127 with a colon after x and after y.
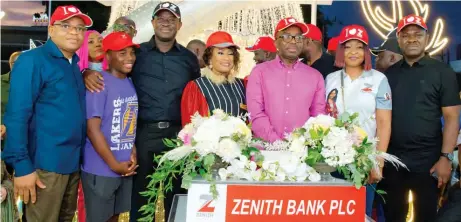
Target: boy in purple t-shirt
x: 109, y: 156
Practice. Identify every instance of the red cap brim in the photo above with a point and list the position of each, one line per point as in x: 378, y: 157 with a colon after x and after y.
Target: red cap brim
x: 226, y: 45
x: 341, y: 42
x: 398, y: 30
x: 118, y: 48
x: 251, y: 49
x: 302, y: 26
x: 86, y: 19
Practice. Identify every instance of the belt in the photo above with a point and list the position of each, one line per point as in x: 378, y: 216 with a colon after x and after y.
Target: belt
x: 160, y: 125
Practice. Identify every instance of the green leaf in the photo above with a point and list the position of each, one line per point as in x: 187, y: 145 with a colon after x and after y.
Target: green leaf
x: 253, y: 150
x: 208, y: 160
x: 339, y: 123
x: 354, y: 116
x: 344, y: 117
x: 313, y: 134
x: 357, y: 180
x: 202, y: 173
x: 186, y: 181
x: 365, y: 140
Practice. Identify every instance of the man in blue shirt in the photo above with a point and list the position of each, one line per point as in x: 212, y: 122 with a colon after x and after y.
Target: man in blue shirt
x: 45, y: 119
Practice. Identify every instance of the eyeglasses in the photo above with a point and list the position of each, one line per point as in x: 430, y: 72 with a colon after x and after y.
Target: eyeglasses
x: 68, y: 28
x: 287, y: 38
x: 166, y: 21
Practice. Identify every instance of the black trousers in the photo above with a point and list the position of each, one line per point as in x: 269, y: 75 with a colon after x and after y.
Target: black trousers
x: 398, y: 183
x: 149, y: 142
x: 451, y: 210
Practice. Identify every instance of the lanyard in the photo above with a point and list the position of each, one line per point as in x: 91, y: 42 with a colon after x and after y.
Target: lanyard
x: 342, y: 90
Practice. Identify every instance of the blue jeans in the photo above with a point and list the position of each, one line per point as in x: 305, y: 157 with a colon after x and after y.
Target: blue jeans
x: 371, y: 188
x: 370, y: 193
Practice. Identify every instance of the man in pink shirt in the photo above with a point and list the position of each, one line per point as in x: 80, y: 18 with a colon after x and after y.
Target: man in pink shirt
x: 283, y: 93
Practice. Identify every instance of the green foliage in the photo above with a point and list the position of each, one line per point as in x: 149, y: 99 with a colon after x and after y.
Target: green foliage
x: 188, y: 168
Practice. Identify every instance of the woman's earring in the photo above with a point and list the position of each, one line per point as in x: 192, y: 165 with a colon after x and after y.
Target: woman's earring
x: 211, y: 67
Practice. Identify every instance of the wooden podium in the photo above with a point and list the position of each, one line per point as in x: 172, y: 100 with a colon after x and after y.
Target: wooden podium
x: 242, y: 201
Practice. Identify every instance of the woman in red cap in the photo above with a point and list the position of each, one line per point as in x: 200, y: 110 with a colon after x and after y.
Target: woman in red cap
x: 360, y: 89
x: 218, y: 88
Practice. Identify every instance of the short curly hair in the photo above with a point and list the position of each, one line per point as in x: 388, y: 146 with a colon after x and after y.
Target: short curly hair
x: 209, y: 53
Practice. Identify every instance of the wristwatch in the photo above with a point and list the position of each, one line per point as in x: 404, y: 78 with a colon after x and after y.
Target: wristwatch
x: 449, y: 156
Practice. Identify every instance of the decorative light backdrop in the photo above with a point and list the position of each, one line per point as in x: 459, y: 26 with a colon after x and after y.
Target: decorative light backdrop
x: 383, y: 24
x: 245, y: 20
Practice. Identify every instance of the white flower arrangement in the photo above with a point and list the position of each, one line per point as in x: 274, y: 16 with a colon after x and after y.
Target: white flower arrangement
x: 277, y: 166
x: 222, y: 147
x: 342, y: 144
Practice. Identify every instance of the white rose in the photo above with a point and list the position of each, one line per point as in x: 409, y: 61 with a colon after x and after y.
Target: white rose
x: 256, y: 175
x: 281, y: 176
x: 252, y: 166
x: 208, y: 131
x: 297, y: 145
x: 197, y: 120
x: 272, y: 168
x: 219, y: 113
x: 322, y: 121
x: 315, y: 177
x: 247, y: 175
x: 265, y: 165
x: 228, y: 150
x: 205, y: 147
x: 301, y: 178
x: 289, y: 168
x: 223, y: 174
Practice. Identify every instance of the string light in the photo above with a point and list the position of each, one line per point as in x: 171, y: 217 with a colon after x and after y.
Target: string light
x: 247, y: 25
x: 437, y: 43
x: 411, y: 210
x: 384, y: 24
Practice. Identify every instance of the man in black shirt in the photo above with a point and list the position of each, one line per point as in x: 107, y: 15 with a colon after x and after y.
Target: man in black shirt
x: 313, y: 52
x: 163, y: 68
x: 423, y: 90
x: 388, y: 53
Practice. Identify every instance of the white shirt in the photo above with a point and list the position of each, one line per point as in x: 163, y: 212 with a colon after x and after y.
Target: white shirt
x: 370, y: 91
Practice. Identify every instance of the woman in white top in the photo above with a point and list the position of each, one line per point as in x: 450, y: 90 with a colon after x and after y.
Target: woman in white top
x: 358, y: 88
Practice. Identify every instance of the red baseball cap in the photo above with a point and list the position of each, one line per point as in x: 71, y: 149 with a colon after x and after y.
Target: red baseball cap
x: 117, y: 41
x: 314, y: 33
x: 65, y: 12
x: 411, y: 20
x: 288, y: 22
x: 220, y: 39
x: 356, y: 32
x: 333, y: 43
x: 265, y: 43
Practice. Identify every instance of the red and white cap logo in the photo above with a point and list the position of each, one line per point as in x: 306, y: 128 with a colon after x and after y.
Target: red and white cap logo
x: 288, y: 22
x: 356, y: 32
x: 411, y: 20
x: 68, y: 11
